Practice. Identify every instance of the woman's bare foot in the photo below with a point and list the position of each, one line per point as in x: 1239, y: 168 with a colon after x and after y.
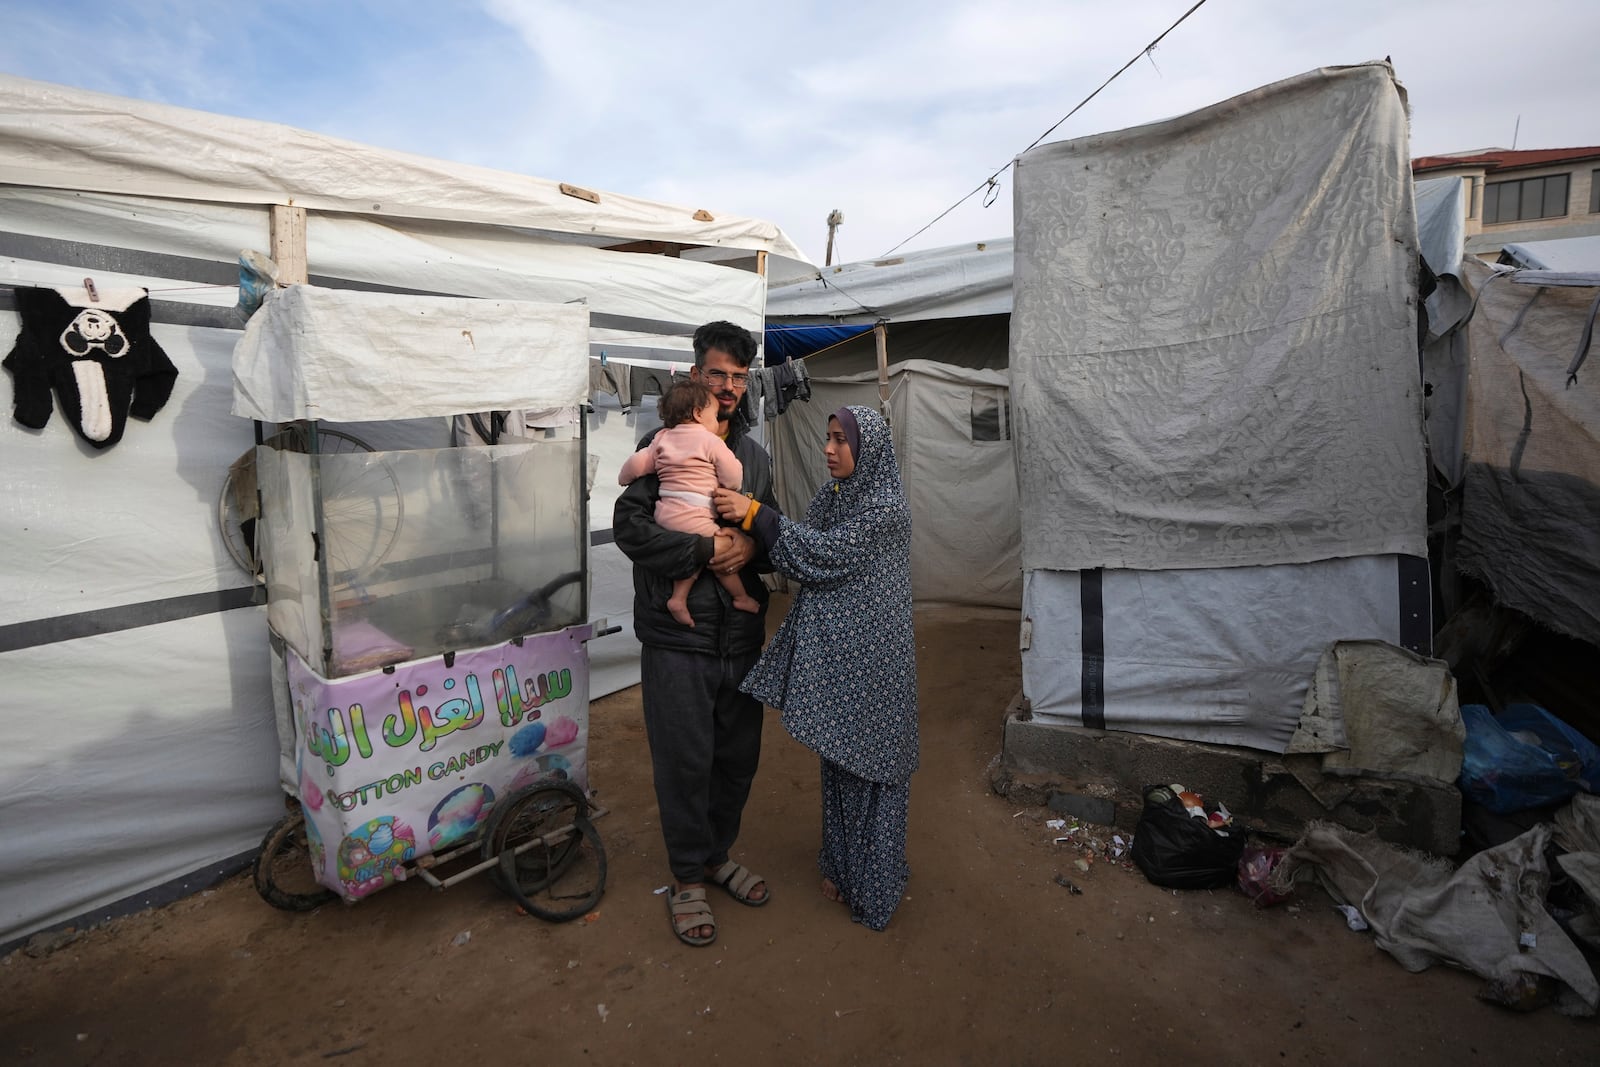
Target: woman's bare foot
x: 831, y: 891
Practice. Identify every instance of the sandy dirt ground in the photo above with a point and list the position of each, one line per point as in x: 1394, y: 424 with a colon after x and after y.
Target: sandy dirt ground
x: 988, y: 961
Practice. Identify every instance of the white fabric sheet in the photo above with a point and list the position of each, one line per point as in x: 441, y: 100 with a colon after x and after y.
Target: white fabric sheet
x: 56, y: 137
x: 87, y: 530
x: 349, y: 356
x: 1217, y: 655
x: 157, y: 756
x: 1213, y: 349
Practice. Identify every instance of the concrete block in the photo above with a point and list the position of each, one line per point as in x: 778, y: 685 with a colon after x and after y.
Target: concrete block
x: 1262, y: 790
x: 1097, y: 810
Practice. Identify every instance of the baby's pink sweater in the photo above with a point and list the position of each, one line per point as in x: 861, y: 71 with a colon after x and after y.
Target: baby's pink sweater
x: 689, y: 459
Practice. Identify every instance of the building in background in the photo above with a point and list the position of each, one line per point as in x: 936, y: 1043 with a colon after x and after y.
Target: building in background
x: 1534, y: 195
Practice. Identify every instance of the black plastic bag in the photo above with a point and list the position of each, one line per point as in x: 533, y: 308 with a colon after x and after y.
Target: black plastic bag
x: 1178, y: 850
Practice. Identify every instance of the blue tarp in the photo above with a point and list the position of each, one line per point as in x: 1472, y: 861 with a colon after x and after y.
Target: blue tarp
x: 784, y: 343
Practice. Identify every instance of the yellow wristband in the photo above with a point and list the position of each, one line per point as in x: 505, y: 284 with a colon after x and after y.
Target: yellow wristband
x: 750, y: 516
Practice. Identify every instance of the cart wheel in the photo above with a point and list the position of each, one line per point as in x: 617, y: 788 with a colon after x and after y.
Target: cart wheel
x: 282, y: 870
x: 556, y: 880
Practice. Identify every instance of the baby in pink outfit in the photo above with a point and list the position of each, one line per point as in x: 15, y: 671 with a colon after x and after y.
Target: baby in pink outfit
x: 692, y: 462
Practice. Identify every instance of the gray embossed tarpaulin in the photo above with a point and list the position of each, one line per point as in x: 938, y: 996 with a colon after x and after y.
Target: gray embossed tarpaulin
x: 1214, y: 354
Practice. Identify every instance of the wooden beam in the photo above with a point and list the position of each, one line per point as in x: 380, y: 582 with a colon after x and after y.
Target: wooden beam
x: 880, y: 334
x: 761, y: 263
x: 289, y: 243
x: 579, y: 192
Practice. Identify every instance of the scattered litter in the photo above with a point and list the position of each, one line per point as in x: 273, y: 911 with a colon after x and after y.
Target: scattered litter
x: 707, y: 1011
x: 661, y: 890
x: 1255, y: 876
x: 1093, y: 843
x: 837, y: 1014
x: 1068, y: 885
x: 593, y: 916
x: 572, y: 965
x: 1019, y: 813
x: 1082, y: 865
x: 462, y: 938
x: 83, y: 1037
x: 601, y: 1008
x: 1352, y: 916
x: 1528, y: 939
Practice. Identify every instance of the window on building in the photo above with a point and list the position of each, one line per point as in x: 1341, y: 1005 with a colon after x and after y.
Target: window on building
x: 1594, y: 192
x: 1530, y: 198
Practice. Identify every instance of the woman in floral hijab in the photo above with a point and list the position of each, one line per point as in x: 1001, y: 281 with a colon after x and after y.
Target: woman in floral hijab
x: 842, y: 668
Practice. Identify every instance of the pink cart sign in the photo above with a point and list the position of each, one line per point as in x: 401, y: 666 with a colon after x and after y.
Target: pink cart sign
x: 398, y: 765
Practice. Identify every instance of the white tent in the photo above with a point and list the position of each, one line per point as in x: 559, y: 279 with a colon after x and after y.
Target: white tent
x: 136, y: 666
x: 944, y: 315
x: 1214, y: 366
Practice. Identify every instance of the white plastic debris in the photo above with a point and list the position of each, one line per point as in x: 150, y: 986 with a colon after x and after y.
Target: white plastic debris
x: 1352, y: 916
x: 1528, y: 939
x: 462, y: 938
x: 1056, y: 824
x: 601, y: 1008
x: 660, y: 890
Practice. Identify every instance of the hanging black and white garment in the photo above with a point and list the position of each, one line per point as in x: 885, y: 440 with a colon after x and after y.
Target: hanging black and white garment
x: 97, y: 355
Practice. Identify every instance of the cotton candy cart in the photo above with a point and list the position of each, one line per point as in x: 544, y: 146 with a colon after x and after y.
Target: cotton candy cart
x: 426, y: 600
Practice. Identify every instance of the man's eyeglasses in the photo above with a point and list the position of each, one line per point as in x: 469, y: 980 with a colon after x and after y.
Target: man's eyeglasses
x: 722, y: 377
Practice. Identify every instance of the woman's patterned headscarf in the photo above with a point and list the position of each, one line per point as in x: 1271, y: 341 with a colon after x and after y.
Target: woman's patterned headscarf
x: 875, y: 483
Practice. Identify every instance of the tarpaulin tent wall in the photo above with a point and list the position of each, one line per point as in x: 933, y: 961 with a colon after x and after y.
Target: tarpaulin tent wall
x: 945, y: 315
x: 1528, y: 472
x: 142, y: 754
x: 1215, y: 373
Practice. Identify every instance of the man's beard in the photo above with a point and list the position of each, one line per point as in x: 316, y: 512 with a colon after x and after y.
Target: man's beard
x: 726, y: 413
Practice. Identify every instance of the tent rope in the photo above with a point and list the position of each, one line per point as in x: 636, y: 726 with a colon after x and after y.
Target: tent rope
x: 991, y: 182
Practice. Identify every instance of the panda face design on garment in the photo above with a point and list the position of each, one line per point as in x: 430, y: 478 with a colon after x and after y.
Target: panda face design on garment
x: 94, y: 328
x: 92, y: 351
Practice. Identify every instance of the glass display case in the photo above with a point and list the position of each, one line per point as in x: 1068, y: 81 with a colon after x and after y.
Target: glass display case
x: 375, y: 558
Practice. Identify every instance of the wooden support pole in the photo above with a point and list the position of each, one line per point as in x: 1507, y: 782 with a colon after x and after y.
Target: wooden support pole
x: 880, y: 334
x: 289, y: 243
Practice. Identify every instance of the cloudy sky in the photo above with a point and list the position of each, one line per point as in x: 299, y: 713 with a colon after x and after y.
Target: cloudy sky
x: 888, y: 110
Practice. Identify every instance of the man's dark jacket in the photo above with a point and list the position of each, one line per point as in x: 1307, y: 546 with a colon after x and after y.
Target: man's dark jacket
x: 661, y: 556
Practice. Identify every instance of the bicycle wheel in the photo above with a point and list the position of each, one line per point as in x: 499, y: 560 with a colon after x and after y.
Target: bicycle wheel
x: 556, y: 880
x: 282, y: 871
x: 362, y: 505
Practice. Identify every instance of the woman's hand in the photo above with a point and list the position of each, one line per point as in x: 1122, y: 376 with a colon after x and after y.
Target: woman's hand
x: 731, y: 506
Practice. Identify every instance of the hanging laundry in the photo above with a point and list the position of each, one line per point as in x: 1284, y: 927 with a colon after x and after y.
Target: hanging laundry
x: 608, y: 377
x: 647, y: 381
x: 98, y: 356
x: 777, y: 387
